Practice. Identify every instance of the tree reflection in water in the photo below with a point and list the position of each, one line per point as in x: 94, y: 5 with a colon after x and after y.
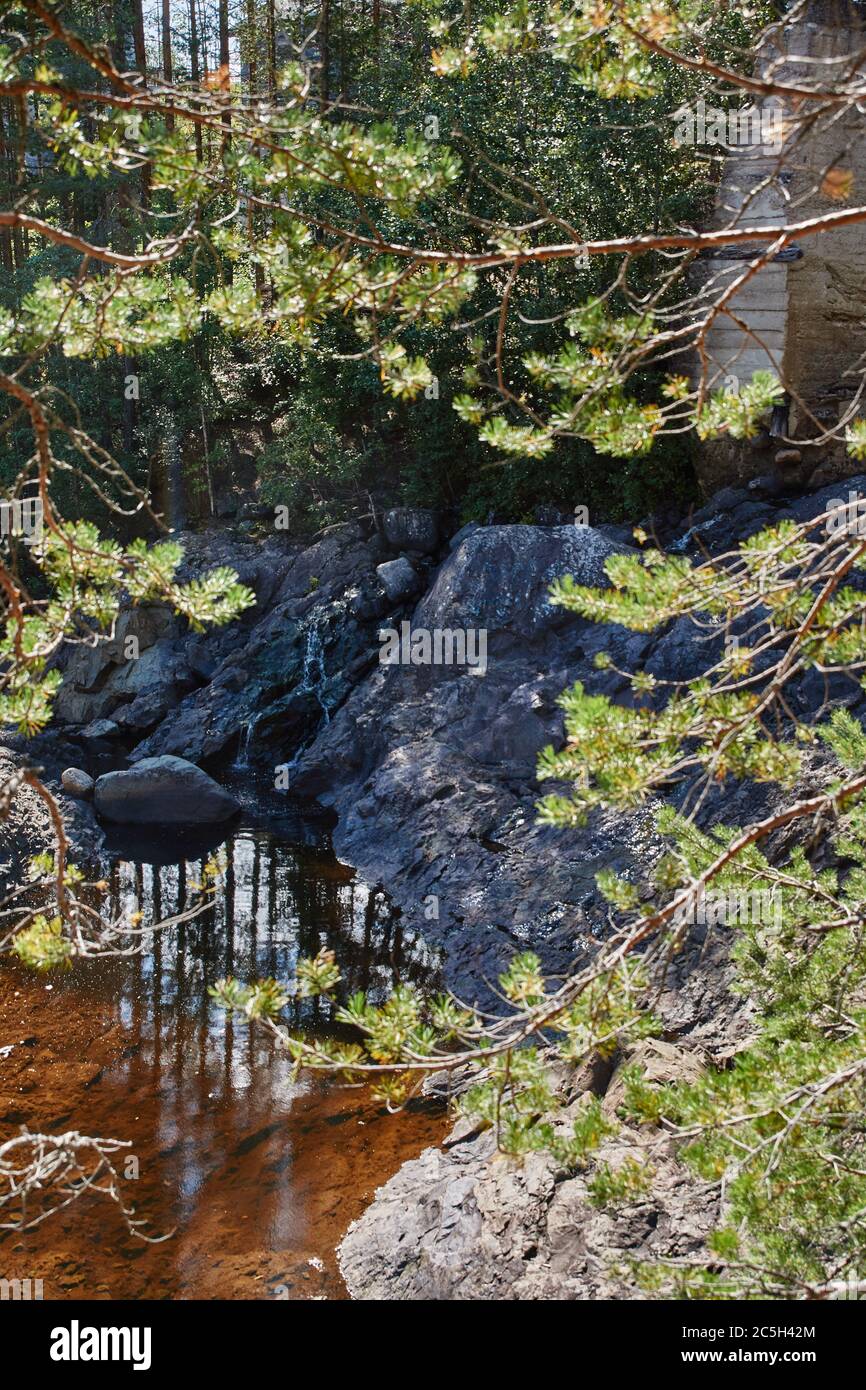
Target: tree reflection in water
x: 260, y: 1173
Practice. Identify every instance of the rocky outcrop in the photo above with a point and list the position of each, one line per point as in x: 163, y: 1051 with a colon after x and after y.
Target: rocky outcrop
x: 283, y: 675
x: 432, y: 776
x: 411, y: 528
x: 124, y: 687
x: 464, y: 1223
x: 429, y: 769
x: 163, y: 791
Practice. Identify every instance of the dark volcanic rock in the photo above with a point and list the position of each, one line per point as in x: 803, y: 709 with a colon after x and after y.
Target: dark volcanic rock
x: 163, y: 791
x: 26, y: 828
x: 431, y: 772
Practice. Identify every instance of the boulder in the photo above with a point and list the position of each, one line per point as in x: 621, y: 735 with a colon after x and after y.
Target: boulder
x: 767, y: 485
x: 97, y: 675
x: 460, y: 536
x: 163, y: 791
x: 411, y: 528
x: 399, y: 580
x: 500, y: 577
x: 77, y: 782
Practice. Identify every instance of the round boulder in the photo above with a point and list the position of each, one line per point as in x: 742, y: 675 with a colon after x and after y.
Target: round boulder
x: 163, y: 791
x: 411, y: 528
x: 399, y: 579
x: 77, y: 782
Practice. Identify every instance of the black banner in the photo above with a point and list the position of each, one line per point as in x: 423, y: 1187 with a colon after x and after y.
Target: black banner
x: 252, y: 1337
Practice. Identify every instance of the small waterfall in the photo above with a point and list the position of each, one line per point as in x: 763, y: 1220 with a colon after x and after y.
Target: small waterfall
x: 313, y: 674
x: 245, y: 743
x: 310, y: 682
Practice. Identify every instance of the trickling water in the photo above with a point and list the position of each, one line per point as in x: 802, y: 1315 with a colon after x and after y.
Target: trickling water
x: 259, y: 1172
x: 312, y: 679
x: 313, y: 675
x: 242, y: 761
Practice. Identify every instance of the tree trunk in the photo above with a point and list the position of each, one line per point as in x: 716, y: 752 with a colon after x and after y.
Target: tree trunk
x: 252, y: 44
x: 344, y: 78
x: 324, y: 51
x: 195, y: 69
x: 129, y: 415
x: 141, y: 64
x: 224, y: 35
x: 272, y: 48
x: 167, y: 72
x: 6, y: 255
x: 225, y: 78
x: 225, y: 75
x: 252, y: 72
x: 138, y: 37
x: 205, y: 64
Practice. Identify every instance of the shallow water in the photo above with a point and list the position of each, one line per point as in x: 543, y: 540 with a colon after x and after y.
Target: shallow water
x: 260, y: 1174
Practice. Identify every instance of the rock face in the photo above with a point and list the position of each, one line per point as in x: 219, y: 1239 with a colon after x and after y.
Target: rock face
x: 136, y: 676
x: 25, y: 827
x: 291, y: 664
x: 431, y: 769
x: 163, y: 791
x: 432, y: 775
x: 465, y: 1224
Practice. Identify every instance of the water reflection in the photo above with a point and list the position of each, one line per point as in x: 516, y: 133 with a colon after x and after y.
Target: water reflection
x: 259, y: 1172
x: 274, y: 903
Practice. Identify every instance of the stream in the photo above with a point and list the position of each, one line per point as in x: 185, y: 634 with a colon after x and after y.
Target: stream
x: 258, y: 1174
